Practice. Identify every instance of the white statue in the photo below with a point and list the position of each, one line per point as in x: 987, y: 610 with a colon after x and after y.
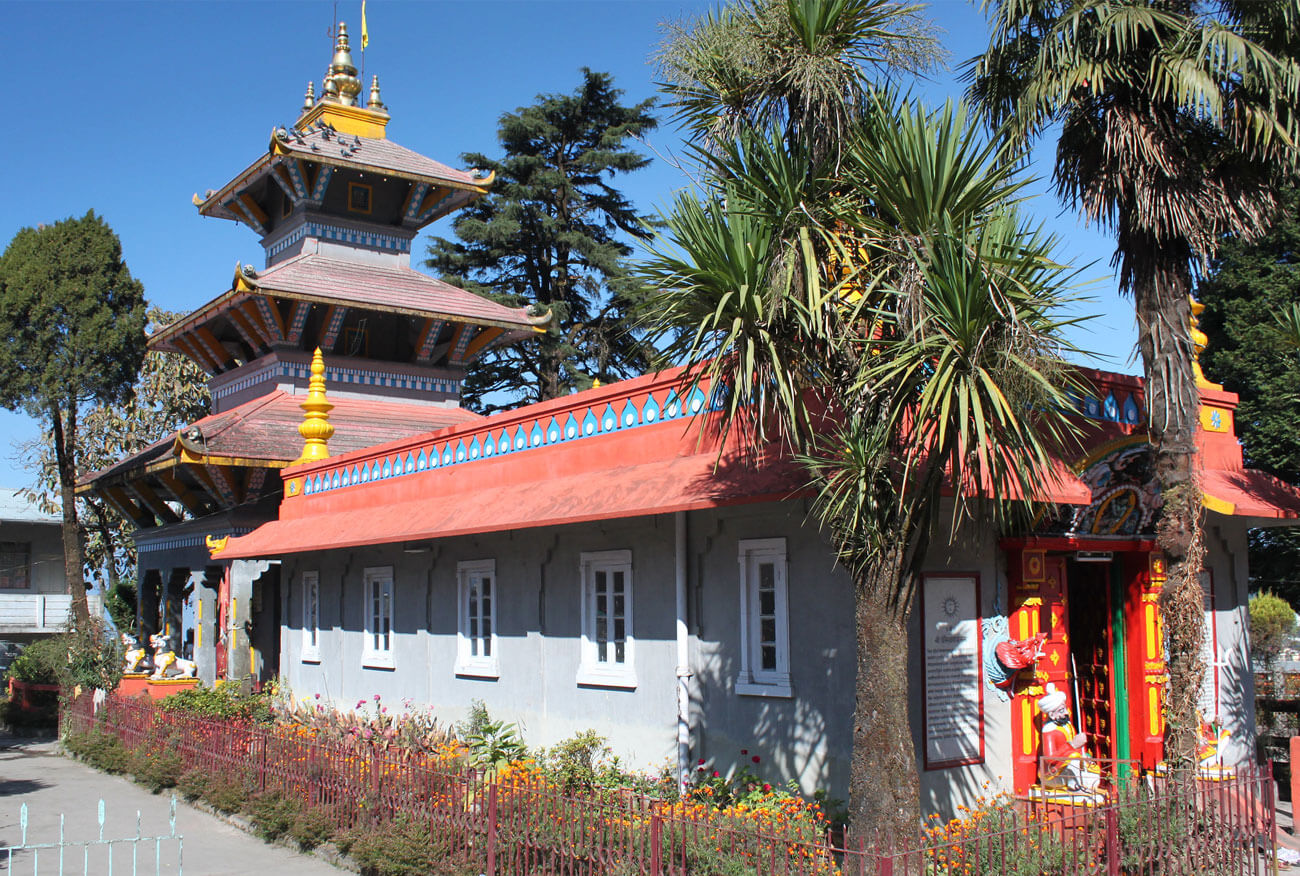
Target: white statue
x: 133, y: 656
x: 166, y: 663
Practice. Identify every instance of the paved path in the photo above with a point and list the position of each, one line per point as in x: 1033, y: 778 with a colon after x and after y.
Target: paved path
x: 49, y: 783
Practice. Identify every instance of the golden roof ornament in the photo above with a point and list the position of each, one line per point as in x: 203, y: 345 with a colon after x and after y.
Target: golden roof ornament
x: 374, y: 102
x: 1199, y: 340
x: 343, y: 73
x: 309, y: 99
x: 330, y: 88
x: 315, y: 427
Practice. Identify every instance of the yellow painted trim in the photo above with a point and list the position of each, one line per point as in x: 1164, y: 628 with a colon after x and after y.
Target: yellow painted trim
x: 198, y: 623
x: 1207, y: 418
x: 1218, y: 506
x: 1028, y: 743
x: 359, y: 120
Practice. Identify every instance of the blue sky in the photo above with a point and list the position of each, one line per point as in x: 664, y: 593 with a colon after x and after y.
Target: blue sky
x: 131, y: 107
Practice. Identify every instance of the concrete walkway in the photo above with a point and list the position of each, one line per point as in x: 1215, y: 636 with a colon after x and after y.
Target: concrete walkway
x: 36, y: 773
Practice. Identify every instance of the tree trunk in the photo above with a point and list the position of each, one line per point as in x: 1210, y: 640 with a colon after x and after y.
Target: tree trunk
x: 884, y: 792
x: 73, y: 555
x: 1161, y: 285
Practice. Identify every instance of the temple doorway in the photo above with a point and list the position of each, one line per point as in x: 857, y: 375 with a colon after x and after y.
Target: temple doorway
x: 1091, y: 652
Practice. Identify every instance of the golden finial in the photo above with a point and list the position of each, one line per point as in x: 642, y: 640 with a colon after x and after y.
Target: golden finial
x: 309, y: 99
x: 315, y: 427
x: 343, y: 73
x: 215, y: 545
x: 1199, y: 340
x: 374, y: 102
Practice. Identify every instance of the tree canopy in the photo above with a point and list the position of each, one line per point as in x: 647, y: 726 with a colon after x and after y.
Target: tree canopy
x: 878, y: 271
x: 1251, y: 354
x: 74, y: 318
x: 1177, y: 126
x: 555, y: 233
x: 169, y: 392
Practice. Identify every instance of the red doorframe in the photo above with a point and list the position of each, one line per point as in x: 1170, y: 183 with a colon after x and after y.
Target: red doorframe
x: 223, y: 624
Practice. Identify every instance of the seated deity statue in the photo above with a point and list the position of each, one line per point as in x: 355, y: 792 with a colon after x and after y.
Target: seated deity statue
x: 1063, y: 763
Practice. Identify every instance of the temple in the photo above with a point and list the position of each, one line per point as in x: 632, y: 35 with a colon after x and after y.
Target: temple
x: 336, y: 205
x: 606, y: 560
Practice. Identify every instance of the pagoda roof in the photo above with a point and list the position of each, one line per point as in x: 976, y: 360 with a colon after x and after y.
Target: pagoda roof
x: 356, y: 285
x: 258, y: 435
x: 324, y: 145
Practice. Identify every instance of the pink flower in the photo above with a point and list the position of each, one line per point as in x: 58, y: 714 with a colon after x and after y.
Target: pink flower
x: 701, y: 761
x: 361, y: 704
x: 376, y: 697
x: 755, y: 758
x: 766, y: 786
x: 317, y: 696
x: 744, y: 751
x: 715, y: 774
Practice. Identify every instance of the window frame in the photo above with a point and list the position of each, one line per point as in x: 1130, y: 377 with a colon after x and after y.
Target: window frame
x: 753, y: 680
x: 310, y: 617
x: 371, y: 656
x: 468, y: 663
x: 591, y: 670
x: 14, y: 550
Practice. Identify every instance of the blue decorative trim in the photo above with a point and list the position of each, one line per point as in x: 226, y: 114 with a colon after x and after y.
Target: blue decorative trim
x: 644, y: 409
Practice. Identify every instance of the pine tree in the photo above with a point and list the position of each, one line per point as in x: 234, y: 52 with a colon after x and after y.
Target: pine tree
x: 555, y: 232
x: 74, y: 318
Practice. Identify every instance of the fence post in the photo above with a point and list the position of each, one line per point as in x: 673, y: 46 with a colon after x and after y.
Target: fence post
x: 1112, y: 840
x: 492, y: 829
x: 656, y: 844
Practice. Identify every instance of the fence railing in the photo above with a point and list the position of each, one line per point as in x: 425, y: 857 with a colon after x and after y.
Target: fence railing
x: 511, y: 824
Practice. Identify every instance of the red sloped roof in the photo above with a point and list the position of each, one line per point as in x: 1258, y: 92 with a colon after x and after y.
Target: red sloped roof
x: 452, y: 503
x: 370, y: 153
x: 266, y: 428
x: 358, y: 284
x: 1250, y: 493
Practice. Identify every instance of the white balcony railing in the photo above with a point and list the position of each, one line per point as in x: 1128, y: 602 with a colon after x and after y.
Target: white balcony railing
x: 40, y: 612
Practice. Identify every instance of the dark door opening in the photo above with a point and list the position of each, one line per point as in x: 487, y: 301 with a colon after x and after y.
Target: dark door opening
x: 1091, y: 669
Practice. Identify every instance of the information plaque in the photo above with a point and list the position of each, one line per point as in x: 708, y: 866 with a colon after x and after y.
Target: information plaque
x: 954, y: 695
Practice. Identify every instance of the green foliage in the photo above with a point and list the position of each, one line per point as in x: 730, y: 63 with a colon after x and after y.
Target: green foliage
x: 492, y: 744
x: 157, y: 768
x: 313, y: 826
x: 554, y: 234
x: 226, y: 701
x: 228, y: 793
x: 577, y: 763
x: 169, y: 392
x: 101, y: 750
x: 273, y: 814
x: 194, y: 783
x: 1251, y: 354
x: 402, y: 847
x: 73, y: 318
x: 1272, y: 623
x: 42, y: 662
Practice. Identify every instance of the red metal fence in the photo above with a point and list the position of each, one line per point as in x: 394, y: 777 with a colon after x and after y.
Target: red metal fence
x: 512, y: 825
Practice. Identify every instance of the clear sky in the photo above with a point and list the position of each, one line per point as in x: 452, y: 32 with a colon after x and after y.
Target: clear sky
x: 129, y: 108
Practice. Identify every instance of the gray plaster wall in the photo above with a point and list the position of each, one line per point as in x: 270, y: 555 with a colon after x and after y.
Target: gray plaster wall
x: 46, y: 541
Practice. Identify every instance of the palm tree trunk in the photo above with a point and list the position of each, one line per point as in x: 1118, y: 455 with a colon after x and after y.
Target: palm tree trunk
x: 1161, y: 283
x: 884, y: 792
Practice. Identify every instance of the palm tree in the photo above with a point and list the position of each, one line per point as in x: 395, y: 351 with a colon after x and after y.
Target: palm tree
x: 905, y: 295
x: 1176, y: 123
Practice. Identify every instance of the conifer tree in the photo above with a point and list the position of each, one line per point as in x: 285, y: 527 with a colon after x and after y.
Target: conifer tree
x: 555, y: 232
x: 74, y: 320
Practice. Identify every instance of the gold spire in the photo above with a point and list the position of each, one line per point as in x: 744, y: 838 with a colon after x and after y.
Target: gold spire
x: 374, y: 102
x: 339, y: 106
x: 315, y: 427
x: 1199, y: 340
x: 309, y: 99
x: 343, y: 73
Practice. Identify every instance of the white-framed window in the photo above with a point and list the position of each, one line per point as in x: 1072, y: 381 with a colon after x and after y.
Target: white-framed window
x: 608, y: 646
x: 311, y: 617
x: 378, y: 648
x: 764, y: 619
x: 476, y: 635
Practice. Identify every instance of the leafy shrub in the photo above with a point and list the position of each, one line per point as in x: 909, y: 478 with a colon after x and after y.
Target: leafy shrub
x: 273, y: 813
x: 193, y: 784
x: 157, y: 769
x: 226, y: 702
x: 575, y: 762
x: 228, y: 794
x: 402, y: 847
x: 313, y: 826
x: 101, y: 750
x: 492, y: 744
x: 41, y: 662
